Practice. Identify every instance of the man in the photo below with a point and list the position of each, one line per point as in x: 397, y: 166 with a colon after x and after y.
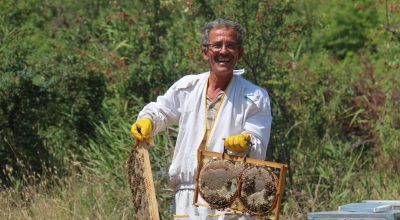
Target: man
x: 215, y: 109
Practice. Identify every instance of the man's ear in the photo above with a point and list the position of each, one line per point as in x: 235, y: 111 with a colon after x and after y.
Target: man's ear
x: 204, y: 53
x: 241, y: 52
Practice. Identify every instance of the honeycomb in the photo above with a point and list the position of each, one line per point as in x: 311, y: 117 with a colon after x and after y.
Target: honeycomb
x: 218, y: 183
x: 258, y: 190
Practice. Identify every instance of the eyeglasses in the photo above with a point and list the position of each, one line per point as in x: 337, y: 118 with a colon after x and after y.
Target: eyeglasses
x: 218, y: 46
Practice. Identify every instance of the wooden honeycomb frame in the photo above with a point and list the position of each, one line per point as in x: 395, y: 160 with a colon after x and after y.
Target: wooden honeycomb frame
x: 237, y: 207
x: 141, y: 184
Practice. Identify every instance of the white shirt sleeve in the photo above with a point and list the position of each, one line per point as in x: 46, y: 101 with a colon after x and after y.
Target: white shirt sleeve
x: 164, y: 112
x: 258, y: 125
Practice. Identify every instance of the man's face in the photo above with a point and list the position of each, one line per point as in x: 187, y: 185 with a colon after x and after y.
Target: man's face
x: 223, y: 51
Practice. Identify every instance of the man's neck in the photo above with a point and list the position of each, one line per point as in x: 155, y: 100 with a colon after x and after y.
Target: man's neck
x: 216, y: 84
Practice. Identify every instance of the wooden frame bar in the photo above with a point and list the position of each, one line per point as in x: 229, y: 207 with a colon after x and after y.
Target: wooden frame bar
x: 142, y: 184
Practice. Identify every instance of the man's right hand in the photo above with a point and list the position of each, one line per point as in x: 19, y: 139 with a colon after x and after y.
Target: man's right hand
x: 141, y: 130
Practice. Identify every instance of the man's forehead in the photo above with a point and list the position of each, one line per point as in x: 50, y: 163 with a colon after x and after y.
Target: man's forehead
x: 220, y: 32
x: 223, y: 28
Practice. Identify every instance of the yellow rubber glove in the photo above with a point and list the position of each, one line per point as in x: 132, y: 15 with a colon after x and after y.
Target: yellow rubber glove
x: 141, y: 130
x: 238, y: 143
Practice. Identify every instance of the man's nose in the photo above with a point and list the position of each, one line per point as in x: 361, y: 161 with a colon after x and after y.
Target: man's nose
x: 224, y: 49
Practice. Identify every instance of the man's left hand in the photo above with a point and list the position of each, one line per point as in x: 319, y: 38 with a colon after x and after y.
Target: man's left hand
x: 238, y: 143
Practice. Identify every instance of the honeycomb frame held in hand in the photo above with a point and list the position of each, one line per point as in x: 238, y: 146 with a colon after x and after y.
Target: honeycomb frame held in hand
x: 239, y: 171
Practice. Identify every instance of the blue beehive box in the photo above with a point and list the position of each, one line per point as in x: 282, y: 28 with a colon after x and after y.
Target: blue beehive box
x: 367, y: 210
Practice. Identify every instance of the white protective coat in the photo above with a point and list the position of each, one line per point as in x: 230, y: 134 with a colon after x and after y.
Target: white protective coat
x: 244, y: 109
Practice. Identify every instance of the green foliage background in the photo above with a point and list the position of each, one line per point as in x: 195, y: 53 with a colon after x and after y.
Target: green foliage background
x: 74, y: 75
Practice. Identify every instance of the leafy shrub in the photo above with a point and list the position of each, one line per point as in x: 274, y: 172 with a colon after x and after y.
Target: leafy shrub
x: 348, y: 31
x: 44, y: 107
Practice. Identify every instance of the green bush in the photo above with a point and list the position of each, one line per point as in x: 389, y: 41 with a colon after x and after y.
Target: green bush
x: 45, y: 109
x: 348, y: 30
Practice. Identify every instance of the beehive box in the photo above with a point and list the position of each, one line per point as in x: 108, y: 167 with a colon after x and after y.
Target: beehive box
x: 342, y: 215
x: 239, y: 185
x: 366, y: 210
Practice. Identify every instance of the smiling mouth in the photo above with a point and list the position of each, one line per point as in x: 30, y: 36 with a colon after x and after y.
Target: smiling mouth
x: 223, y: 60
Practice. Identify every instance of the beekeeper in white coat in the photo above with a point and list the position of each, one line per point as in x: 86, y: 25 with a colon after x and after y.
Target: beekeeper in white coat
x: 213, y: 110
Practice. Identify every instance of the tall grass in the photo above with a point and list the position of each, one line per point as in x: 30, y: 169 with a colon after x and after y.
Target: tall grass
x: 97, y: 187
x: 82, y: 195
